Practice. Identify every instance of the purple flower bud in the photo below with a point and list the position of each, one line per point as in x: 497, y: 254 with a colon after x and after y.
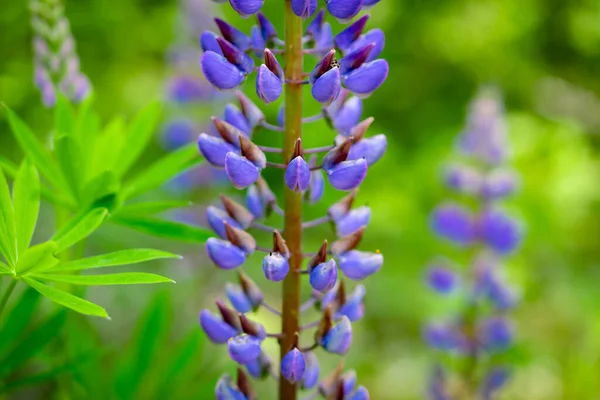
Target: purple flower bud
x: 304, y: 8
x: 495, y: 334
x: 349, y: 380
x: 235, y: 117
x: 208, y: 42
x: 217, y: 330
x: 233, y: 35
x: 442, y: 279
x: 281, y: 116
x: 268, y: 85
x: 224, y: 254
x: 293, y: 365
x: 370, y: 3
x: 375, y: 36
x: 244, y: 348
x: 463, y: 179
x: 500, y: 232
x: 48, y: 94
x: 325, y: 40
x: 356, y: 58
x: 347, y: 175
x: 246, y: 7
x: 324, y: 276
x: 311, y: 372
x: 353, y: 220
x: 453, y: 223
x: 358, y: 265
x: 344, y: 10
x: 315, y: 27
x: 226, y: 391
x: 215, y: 217
x: 316, y: 186
x: 297, y: 174
x: 251, y: 111
x: 371, y: 149
x: 346, y: 38
x: 354, y: 307
x: 267, y: 29
x: 348, y: 115
x: 361, y: 393
x: 238, y: 298
x: 258, y: 42
x: 443, y: 336
x: 275, y: 267
x: 327, y: 87
x: 259, y: 368
x: 241, y: 171
x: 339, y: 337
x: 214, y: 149
x: 254, y: 202
x: 220, y: 72
x: 499, y: 184
x: 235, y: 56
x: 367, y: 78
x: 494, y: 380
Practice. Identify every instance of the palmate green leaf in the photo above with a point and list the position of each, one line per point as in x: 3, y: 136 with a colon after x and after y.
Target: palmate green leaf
x: 164, y: 229
x: 151, y: 207
x: 26, y: 200
x: 67, y: 152
x: 80, y: 227
x: 123, y: 257
x: 17, y: 319
x: 38, y: 258
x: 66, y: 299
x: 8, y: 238
x: 4, y: 269
x: 101, y: 186
x: 138, y: 136
x: 34, y: 149
x: 162, y: 170
x: 64, y: 117
x: 107, y: 147
x: 123, y: 278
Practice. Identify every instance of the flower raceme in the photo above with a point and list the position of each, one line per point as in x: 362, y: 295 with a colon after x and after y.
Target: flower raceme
x: 347, y: 69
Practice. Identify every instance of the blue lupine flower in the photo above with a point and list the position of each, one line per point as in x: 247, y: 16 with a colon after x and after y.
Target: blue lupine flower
x: 454, y: 223
x: 346, y: 38
x: 244, y: 348
x: 187, y: 89
x: 259, y: 368
x: 233, y: 35
x: 344, y: 10
x: 246, y: 7
x: 316, y: 185
x: 208, y: 42
x: 178, y: 133
x: 238, y: 298
x: 304, y: 8
x: 311, y: 371
x: 494, y: 380
x: 365, y: 79
x: 339, y: 338
x: 226, y: 391
x: 375, y: 36
x: 293, y: 365
x: 297, y: 174
x: 269, y: 79
x: 228, y: 70
x: 323, y: 276
x: 499, y: 183
x: 326, y: 80
x: 358, y: 265
x: 353, y: 220
x: 443, y: 336
x: 275, y: 267
x: 361, y: 393
x: 243, y: 170
x: 215, y: 217
x: 267, y: 29
x: 354, y: 306
x: 495, y: 334
x: 463, y: 179
x: 371, y: 149
x: 257, y: 41
x: 217, y: 330
x: 225, y: 254
x: 345, y: 115
x: 214, y: 149
x: 499, y: 231
x: 349, y: 380
x: 235, y: 117
x: 442, y: 279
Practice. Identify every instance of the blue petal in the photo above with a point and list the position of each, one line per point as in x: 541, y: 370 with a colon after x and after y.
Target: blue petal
x: 311, y: 372
x: 178, y: 133
x: 297, y: 174
x: 327, y: 88
x: 352, y: 221
x: 217, y: 330
x: 233, y: 35
x: 215, y: 217
x: 500, y: 232
x: 275, y: 267
x: 268, y: 85
x: 347, y: 175
x: 225, y: 390
x: 267, y: 28
x: 254, y: 202
x: 238, y: 298
x: 220, y: 72
x: 373, y: 36
x: 358, y: 265
x: 371, y: 149
x: 214, y: 149
x: 316, y: 25
x: 281, y: 116
x: 316, y: 187
x: 495, y: 334
x: 494, y: 380
x: 453, y: 223
x: 344, y: 10
x: 443, y: 337
x: 235, y: 56
x: 241, y: 172
x: 499, y: 184
x: 364, y: 80
x: 339, y: 338
x: 348, y: 36
x: 442, y: 279
x: 208, y: 42
x: 246, y: 7
x: 224, y: 254
x: 235, y: 117
x: 258, y: 42
x: 360, y: 394
x: 348, y: 116
x: 324, y: 41
x: 304, y: 8
x: 293, y: 365
x: 244, y: 348
x: 354, y: 307
x: 324, y: 276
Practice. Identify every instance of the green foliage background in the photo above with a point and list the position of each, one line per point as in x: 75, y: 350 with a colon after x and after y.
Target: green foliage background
x: 544, y: 54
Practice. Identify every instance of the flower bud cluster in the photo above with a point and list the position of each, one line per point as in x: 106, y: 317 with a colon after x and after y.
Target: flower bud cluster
x: 482, y: 330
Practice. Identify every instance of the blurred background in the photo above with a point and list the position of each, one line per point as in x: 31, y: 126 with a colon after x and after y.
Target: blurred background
x: 543, y: 54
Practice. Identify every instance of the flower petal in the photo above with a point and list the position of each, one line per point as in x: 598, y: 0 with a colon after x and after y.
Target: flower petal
x: 364, y: 80
x: 246, y: 7
x: 358, y: 265
x: 241, y: 172
x: 220, y: 72
x: 224, y: 254
x: 244, y: 348
x: 297, y: 174
x: 327, y: 88
x: 217, y: 330
x: 347, y: 175
x: 371, y: 149
x: 344, y: 10
x: 293, y: 365
x: 268, y: 86
x: 214, y: 149
x: 304, y: 8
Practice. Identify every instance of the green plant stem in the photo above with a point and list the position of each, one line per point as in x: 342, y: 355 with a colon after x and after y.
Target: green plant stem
x: 9, y: 289
x: 293, y: 201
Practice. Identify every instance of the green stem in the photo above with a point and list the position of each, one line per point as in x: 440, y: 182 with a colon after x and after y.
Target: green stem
x: 9, y: 289
x: 293, y: 201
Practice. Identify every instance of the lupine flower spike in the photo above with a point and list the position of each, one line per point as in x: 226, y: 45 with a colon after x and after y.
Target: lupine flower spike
x: 347, y: 68
x: 482, y: 329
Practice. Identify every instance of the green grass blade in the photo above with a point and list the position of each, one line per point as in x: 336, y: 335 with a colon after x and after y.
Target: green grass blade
x: 162, y: 170
x: 123, y: 257
x: 8, y: 238
x: 66, y: 299
x: 124, y: 278
x: 80, y: 228
x: 26, y: 200
x: 165, y: 229
x: 138, y: 136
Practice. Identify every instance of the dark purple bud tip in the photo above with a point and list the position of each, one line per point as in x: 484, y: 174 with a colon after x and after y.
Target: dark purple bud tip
x: 347, y: 175
x: 241, y: 172
x: 297, y: 174
x: 208, y: 42
x: 279, y: 245
x: 324, y: 276
x: 293, y: 365
x: 251, y: 111
x: 324, y: 65
x: 244, y: 348
x: 237, y: 57
x: 341, y: 208
x: 339, y: 338
x: 268, y: 85
x: 214, y: 149
x: 275, y: 267
x: 233, y: 35
x: 311, y: 372
x: 327, y: 87
x: 347, y: 243
x: 358, y: 265
x: 224, y: 254
x: 304, y: 8
x: 272, y: 63
x: 240, y: 238
x: 442, y: 279
x: 266, y: 27
x: 245, y: 385
x: 228, y: 132
x: 252, y: 328
x: 251, y: 290
x: 348, y: 36
x: 219, y: 72
x: 246, y: 7
x: 217, y: 330
x: 366, y: 79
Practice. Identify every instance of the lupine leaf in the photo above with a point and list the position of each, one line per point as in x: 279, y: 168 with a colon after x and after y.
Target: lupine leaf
x: 162, y: 170
x: 17, y: 319
x: 39, y: 257
x: 123, y: 257
x: 68, y: 154
x: 26, y: 200
x: 9, y: 167
x: 4, y: 268
x: 102, y: 185
x: 151, y: 207
x: 138, y: 135
x: 107, y: 147
x: 66, y: 299
x: 32, y: 343
x: 165, y: 229
x: 32, y: 147
x: 64, y: 117
x: 8, y: 242
x: 123, y: 278
x: 79, y: 228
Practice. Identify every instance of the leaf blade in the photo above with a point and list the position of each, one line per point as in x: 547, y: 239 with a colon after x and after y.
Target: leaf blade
x: 79, y: 228
x: 151, y: 207
x: 165, y: 229
x: 39, y: 257
x: 8, y: 243
x: 26, y: 201
x: 122, y: 257
x: 123, y: 278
